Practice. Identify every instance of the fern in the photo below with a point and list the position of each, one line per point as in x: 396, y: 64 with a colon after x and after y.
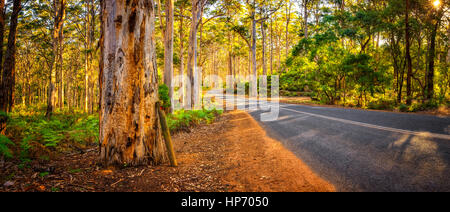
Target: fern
x: 4, y: 149
x: 184, y: 119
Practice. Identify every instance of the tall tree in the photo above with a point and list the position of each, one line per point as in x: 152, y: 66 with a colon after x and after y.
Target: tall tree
x: 130, y: 132
x: 181, y: 5
x: 408, y: 55
x: 168, y: 47
x: 197, y: 12
x: 9, y: 67
x: 59, y: 8
x: 436, y: 17
x: 2, y: 33
x: 288, y: 21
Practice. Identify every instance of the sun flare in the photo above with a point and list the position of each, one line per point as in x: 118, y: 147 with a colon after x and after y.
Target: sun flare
x: 436, y: 3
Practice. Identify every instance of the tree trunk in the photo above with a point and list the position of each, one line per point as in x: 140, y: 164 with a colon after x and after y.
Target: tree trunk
x: 254, y: 89
x: 230, y: 60
x: 182, y: 88
x: 305, y: 17
x: 168, y: 47
x: 288, y: 21
x: 59, y: 12
x: 86, y: 80
x: 432, y: 54
x: 8, y: 78
x: 130, y: 131
x: 61, y: 71
x: 271, y: 46
x: 197, y: 7
x: 263, y: 33
x: 2, y: 35
x: 408, y: 56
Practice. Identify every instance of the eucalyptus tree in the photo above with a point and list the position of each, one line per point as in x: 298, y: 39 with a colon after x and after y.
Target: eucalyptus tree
x: 9, y: 67
x: 130, y: 132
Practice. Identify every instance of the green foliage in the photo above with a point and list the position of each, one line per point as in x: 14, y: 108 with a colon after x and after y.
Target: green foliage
x: 43, y: 174
x: 85, y: 130
x: 382, y: 104
x: 403, y: 107
x: 258, y: 86
x: 74, y: 171
x: 356, y: 57
x: 36, y: 136
x: 164, y: 96
x: 3, y: 117
x: 429, y: 105
x: 4, y: 146
x: 183, y: 119
x: 51, y: 132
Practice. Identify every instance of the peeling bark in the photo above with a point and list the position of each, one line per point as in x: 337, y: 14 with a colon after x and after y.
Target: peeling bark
x: 130, y: 132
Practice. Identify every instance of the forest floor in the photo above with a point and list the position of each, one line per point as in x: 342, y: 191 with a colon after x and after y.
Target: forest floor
x: 232, y: 154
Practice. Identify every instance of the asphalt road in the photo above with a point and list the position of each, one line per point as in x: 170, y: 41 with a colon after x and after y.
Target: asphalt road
x: 358, y: 150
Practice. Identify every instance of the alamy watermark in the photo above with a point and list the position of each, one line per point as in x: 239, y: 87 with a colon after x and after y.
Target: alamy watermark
x: 250, y: 93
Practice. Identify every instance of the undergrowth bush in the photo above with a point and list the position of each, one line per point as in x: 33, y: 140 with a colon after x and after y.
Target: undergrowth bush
x: 29, y: 135
x: 163, y: 92
x: 183, y: 119
x: 37, y: 136
x: 5, y: 144
x: 382, y: 104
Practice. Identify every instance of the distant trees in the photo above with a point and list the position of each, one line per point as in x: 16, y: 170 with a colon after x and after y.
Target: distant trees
x: 372, y: 54
x: 56, y: 45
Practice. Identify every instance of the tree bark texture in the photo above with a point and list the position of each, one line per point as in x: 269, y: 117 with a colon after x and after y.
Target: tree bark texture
x: 130, y: 130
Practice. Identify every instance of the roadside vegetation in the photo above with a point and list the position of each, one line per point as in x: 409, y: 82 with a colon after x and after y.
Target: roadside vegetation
x: 30, y: 136
x: 356, y: 55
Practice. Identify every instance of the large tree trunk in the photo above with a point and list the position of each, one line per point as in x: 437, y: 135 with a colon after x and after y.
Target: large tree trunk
x: 408, y: 57
x: 59, y: 12
x: 168, y: 47
x: 8, y: 78
x: 130, y: 132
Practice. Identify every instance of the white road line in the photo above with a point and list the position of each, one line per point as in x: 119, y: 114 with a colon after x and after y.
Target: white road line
x: 424, y: 134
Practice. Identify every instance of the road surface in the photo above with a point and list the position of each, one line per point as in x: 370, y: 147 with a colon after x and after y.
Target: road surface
x: 358, y: 150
